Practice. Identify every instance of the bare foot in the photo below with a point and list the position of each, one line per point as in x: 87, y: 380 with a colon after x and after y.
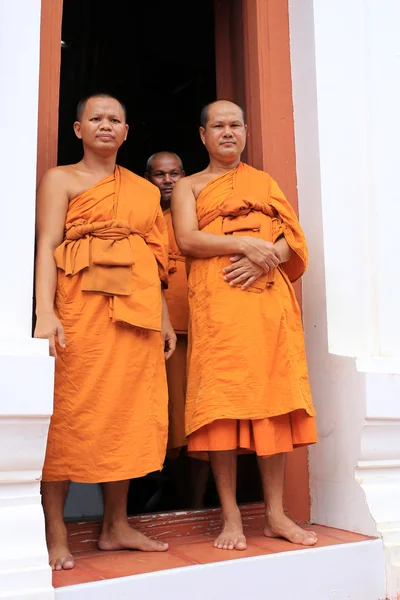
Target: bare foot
x: 231, y: 536
x: 123, y: 537
x: 57, y: 545
x: 282, y: 526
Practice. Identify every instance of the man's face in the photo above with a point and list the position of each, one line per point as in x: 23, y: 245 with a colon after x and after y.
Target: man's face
x: 102, y: 126
x: 225, y: 133
x: 165, y: 172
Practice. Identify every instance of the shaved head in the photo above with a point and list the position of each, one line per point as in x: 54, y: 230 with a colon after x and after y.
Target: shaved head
x: 82, y: 104
x: 162, y: 155
x: 164, y: 169
x: 204, y: 115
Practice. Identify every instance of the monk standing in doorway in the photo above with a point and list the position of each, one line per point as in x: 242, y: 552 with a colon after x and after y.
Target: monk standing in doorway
x: 102, y: 258
x: 247, y: 374
x: 164, y: 169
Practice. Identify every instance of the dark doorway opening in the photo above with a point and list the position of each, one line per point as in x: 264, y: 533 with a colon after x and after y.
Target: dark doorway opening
x: 159, y: 59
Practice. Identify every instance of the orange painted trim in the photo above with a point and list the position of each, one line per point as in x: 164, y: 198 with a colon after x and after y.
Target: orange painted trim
x: 268, y: 87
x: 49, y: 85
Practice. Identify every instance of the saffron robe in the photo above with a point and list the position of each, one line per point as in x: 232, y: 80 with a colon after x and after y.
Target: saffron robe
x: 178, y: 307
x: 247, y: 372
x: 110, y: 417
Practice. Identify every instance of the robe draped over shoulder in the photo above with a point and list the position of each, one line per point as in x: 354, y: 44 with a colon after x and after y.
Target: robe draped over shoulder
x: 247, y: 359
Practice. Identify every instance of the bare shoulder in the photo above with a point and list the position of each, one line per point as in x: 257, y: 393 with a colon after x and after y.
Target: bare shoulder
x: 60, y: 178
x: 194, y: 183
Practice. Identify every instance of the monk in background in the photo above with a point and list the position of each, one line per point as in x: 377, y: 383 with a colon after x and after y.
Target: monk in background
x: 164, y: 169
x: 102, y: 260
x: 247, y: 373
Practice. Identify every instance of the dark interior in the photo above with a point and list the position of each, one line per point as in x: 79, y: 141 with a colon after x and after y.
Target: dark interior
x: 159, y: 59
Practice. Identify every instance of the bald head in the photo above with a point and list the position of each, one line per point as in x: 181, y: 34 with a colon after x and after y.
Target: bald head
x: 164, y: 169
x: 223, y: 104
x: 162, y: 156
x: 80, y: 109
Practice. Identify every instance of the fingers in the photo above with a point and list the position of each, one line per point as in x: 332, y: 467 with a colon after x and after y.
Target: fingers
x: 240, y: 280
x: 235, y: 273
x: 236, y: 257
x: 170, y: 347
x: 61, y: 336
x: 248, y: 283
x: 52, y: 346
x: 241, y: 262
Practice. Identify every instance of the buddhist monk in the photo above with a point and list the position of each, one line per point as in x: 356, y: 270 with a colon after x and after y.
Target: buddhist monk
x: 164, y: 169
x: 102, y: 260
x: 248, y: 384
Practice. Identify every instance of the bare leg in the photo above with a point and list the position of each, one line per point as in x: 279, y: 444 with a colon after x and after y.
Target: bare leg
x: 116, y: 533
x: 54, y: 494
x: 224, y: 468
x: 272, y: 471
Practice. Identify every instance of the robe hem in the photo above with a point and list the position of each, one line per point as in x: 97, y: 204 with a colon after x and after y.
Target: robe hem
x: 283, y: 450
x: 241, y: 417
x: 106, y: 479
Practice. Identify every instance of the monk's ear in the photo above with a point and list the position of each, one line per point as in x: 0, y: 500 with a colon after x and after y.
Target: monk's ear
x: 126, y: 131
x: 146, y: 176
x: 77, y: 129
x: 203, y: 135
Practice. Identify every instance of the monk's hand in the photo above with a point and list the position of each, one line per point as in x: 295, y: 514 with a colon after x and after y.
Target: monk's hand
x: 262, y: 253
x: 169, y: 338
x: 242, y: 272
x: 49, y: 326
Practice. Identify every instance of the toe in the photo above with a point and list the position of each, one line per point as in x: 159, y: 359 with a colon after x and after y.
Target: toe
x: 68, y: 564
x: 58, y: 565
x: 240, y: 545
x: 310, y: 541
x: 162, y: 547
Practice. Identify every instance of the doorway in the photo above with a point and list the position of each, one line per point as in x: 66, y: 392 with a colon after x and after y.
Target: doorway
x: 160, y: 60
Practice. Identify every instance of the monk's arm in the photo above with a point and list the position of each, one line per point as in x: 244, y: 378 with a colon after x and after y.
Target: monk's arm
x: 285, y: 252
x: 51, y: 210
x: 168, y: 333
x: 200, y: 244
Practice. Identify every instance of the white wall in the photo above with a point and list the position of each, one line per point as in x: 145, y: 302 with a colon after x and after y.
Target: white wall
x: 26, y: 370
x: 346, y: 90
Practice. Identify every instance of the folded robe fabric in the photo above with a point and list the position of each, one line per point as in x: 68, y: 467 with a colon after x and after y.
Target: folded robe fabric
x: 110, y: 419
x: 246, y: 350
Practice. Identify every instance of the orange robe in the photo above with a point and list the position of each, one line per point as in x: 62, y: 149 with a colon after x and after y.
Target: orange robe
x: 177, y: 300
x: 110, y: 417
x: 247, y: 377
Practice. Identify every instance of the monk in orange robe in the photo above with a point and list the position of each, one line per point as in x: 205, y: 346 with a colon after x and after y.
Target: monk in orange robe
x: 164, y: 169
x: 247, y: 376
x: 102, y: 257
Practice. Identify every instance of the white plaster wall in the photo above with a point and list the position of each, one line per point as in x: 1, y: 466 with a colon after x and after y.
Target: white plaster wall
x: 19, y: 85
x: 338, y: 389
x: 346, y: 91
x: 26, y: 370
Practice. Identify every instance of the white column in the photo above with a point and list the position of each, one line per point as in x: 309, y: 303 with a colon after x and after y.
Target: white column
x: 26, y: 370
x: 346, y: 90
